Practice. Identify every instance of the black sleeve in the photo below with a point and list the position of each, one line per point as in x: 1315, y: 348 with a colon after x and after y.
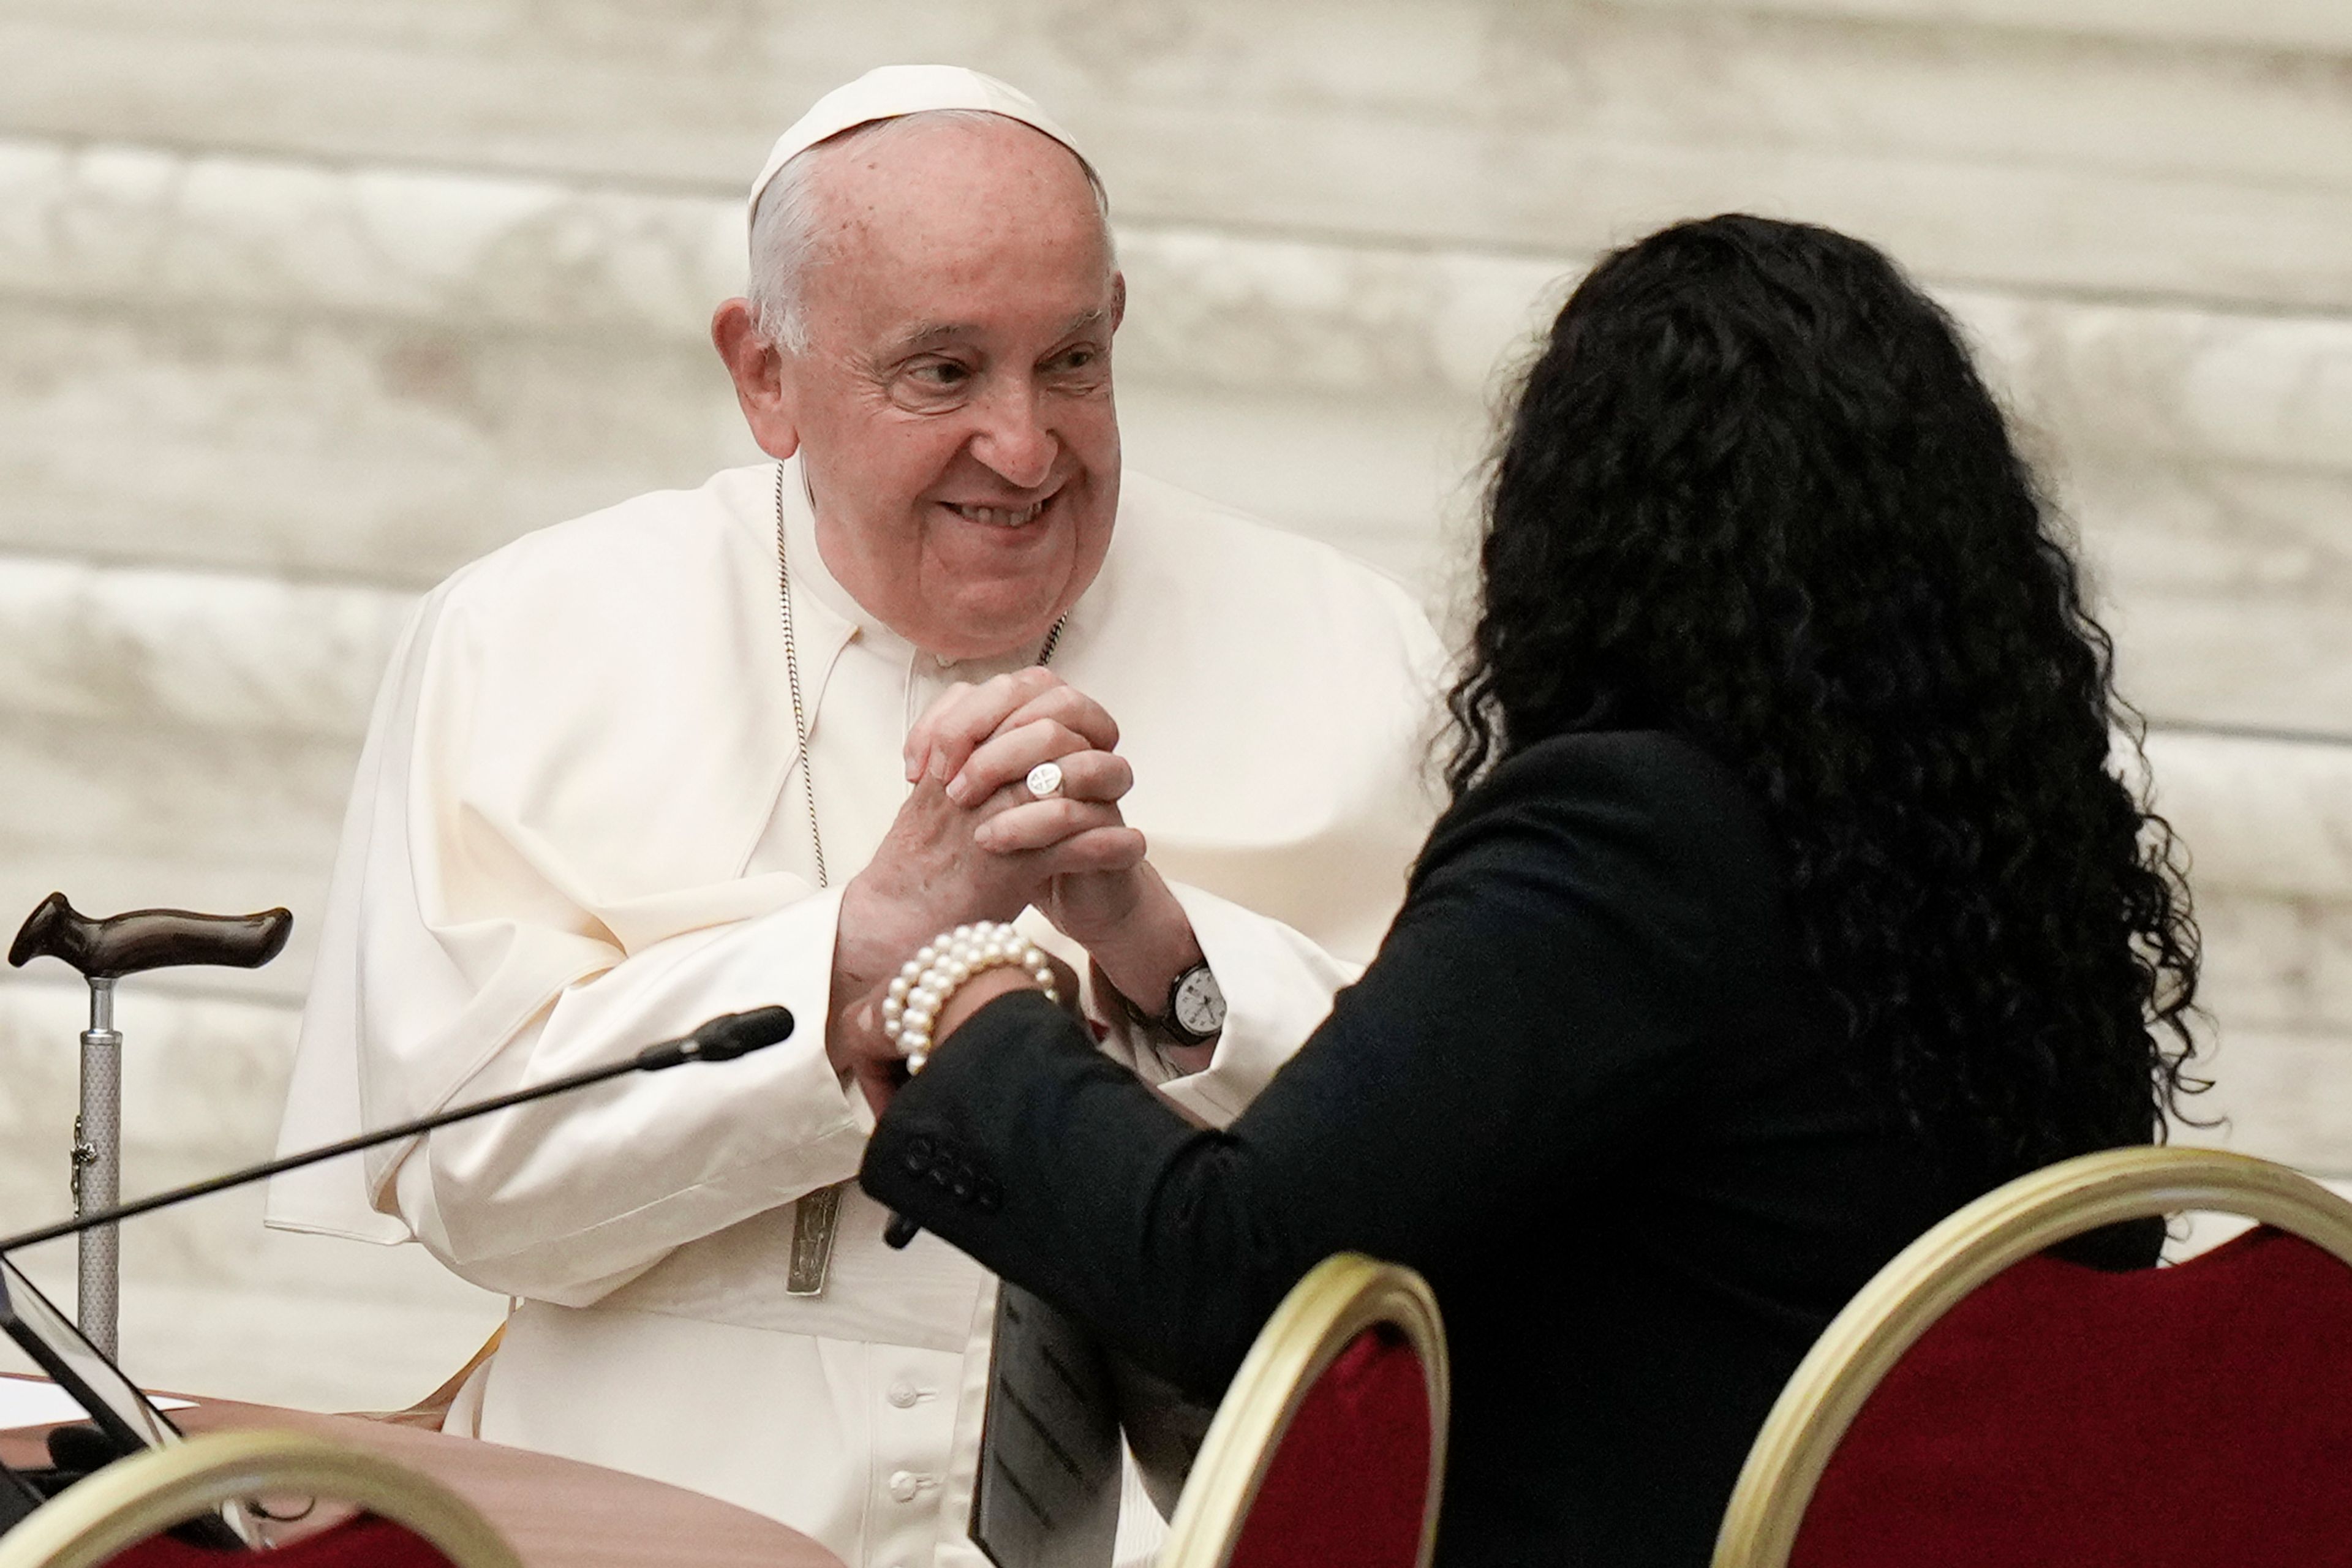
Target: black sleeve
x: 1573, y: 929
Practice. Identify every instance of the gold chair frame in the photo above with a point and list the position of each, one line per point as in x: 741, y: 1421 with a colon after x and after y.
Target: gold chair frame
x: 138, y: 1497
x: 1935, y: 1273
x: 1338, y: 1299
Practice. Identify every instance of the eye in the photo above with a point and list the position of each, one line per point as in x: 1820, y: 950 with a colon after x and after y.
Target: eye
x: 938, y: 375
x: 1082, y: 357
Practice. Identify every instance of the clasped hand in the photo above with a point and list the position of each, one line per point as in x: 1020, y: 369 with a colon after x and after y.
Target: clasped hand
x: 979, y: 744
x: 973, y: 843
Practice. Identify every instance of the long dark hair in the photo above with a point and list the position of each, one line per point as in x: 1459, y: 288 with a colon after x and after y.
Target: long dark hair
x: 1754, y: 492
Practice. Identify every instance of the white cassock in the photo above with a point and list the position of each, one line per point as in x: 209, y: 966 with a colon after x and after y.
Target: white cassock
x: 579, y: 826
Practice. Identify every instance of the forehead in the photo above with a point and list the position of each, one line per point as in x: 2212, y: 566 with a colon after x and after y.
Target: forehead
x: 982, y: 221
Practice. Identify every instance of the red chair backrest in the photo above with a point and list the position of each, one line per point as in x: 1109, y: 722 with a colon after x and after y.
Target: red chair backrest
x: 365, y: 1542
x: 2195, y: 1416
x: 1349, y: 1477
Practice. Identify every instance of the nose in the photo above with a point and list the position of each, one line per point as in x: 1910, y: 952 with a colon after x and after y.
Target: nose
x: 1014, y: 442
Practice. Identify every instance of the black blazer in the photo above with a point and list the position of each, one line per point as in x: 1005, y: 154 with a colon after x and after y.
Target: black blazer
x: 1588, y: 1088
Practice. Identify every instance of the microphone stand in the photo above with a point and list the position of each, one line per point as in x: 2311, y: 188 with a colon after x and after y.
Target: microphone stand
x: 722, y: 1040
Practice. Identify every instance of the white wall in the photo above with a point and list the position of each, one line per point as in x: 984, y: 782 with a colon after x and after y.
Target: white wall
x: 303, y: 305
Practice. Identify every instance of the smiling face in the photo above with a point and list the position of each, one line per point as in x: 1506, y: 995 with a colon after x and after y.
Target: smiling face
x: 952, y: 407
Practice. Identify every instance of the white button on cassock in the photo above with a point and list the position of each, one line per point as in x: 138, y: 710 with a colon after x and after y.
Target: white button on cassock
x: 904, y: 1394
x: 904, y: 1485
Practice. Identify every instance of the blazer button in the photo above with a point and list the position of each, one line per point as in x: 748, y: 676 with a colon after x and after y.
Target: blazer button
x: 986, y: 1196
x: 962, y: 1186
x: 919, y: 1155
x: 940, y: 1177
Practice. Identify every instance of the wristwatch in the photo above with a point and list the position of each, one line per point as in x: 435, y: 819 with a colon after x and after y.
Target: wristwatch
x: 1196, y: 1007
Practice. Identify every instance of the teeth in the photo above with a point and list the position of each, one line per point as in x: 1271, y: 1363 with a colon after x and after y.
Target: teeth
x: 1001, y: 517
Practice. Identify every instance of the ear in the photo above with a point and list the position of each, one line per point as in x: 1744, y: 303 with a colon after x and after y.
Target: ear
x: 1118, y: 300
x: 757, y: 368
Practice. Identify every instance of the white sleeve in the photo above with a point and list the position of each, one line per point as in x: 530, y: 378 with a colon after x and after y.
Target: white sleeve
x: 1277, y: 987
x: 471, y: 950
x: 567, y: 1198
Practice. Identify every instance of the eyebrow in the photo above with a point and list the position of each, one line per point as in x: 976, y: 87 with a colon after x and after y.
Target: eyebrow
x: 928, y: 335
x: 932, y: 334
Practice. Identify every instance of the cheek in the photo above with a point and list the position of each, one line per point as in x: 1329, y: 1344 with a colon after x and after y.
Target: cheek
x: 1094, y: 441
x: 893, y: 471
x: 1093, y: 433
x: 913, y: 455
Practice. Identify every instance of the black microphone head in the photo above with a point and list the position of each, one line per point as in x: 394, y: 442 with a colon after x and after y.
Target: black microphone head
x: 80, y: 1449
x: 738, y: 1034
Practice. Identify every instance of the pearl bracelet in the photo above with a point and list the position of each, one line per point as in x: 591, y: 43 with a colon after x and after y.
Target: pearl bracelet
x: 919, y: 991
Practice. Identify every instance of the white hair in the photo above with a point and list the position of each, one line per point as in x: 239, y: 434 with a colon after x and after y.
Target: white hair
x: 784, y: 226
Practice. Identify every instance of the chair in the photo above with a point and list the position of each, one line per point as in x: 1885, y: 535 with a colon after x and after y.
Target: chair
x: 1983, y: 1403
x: 118, y: 1515
x: 1330, y: 1448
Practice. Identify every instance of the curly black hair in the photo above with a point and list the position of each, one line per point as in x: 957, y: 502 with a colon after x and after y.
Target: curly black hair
x: 1755, y: 492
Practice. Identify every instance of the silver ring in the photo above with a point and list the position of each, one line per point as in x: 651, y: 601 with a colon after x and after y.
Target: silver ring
x: 1045, y: 779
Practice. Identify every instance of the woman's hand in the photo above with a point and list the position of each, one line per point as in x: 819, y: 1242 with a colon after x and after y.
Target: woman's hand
x: 874, y: 1065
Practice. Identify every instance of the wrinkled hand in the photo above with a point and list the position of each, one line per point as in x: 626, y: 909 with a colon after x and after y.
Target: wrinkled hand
x: 978, y: 739
x: 970, y: 842
x: 982, y: 740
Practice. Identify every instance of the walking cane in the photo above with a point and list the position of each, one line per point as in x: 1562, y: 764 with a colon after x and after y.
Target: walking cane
x: 104, y: 951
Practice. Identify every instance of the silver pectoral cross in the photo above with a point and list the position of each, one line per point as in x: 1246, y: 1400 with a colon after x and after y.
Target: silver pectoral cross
x: 816, y: 1220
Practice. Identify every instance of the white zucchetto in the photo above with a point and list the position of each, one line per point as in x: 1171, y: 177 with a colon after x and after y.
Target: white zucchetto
x: 886, y: 92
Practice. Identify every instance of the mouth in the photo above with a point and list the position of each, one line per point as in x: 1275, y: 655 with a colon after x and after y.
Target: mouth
x: 1002, y: 516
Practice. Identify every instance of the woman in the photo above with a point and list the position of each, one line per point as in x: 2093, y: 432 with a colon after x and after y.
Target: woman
x: 1787, y: 901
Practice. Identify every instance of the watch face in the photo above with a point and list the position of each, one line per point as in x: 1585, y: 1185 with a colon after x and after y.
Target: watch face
x: 1199, y: 1003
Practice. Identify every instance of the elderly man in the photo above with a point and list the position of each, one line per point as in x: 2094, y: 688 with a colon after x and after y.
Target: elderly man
x: 652, y: 764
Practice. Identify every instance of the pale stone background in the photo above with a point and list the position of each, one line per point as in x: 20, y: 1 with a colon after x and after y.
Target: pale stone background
x: 301, y: 305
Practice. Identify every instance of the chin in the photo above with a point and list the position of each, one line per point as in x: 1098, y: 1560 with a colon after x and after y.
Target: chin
x: 987, y: 613
x: 980, y: 634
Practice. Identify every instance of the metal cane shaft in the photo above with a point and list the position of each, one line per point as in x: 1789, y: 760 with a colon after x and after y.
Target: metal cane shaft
x: 97, y: 1168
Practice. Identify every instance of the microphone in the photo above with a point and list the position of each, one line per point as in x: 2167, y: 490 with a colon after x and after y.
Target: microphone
x: 722, y: 1040
x: 80, y: 1449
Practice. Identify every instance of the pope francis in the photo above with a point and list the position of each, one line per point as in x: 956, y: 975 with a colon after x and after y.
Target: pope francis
x: 654, y: 763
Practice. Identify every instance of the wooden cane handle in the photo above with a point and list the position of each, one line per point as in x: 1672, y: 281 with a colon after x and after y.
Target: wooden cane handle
x: 140, y: 939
